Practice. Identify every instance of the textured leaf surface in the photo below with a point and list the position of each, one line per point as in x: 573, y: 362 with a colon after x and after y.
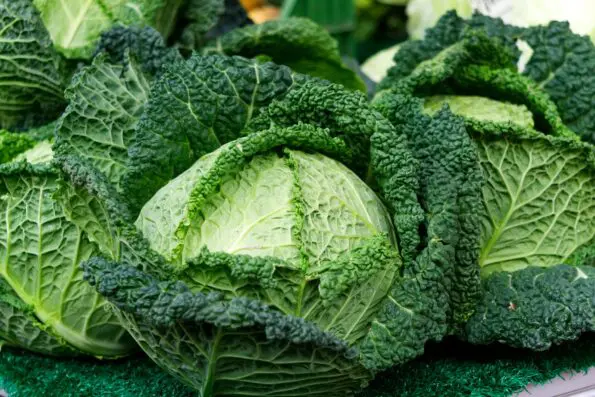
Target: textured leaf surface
x: 105, y: 103
x: 13, y: 144
x: 345, y: 113
x: 535, y: 307
x: 146, y: 45
x: 32, y: 84
x: 19, y: 327
x: 223, y: 347
x: 39, y: 259
x: 440, y: 282
x: 321, y: 221
x: 196, y: 106
x: 481, y: 109
x: 539, y: 205
x: 298, y: 43
x: 559, y: 60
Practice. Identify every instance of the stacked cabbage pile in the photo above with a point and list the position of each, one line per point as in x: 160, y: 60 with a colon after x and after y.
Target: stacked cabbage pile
x: 258, y: 230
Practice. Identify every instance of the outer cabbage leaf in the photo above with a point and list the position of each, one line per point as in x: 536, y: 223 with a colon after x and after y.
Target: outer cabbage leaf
x: 476, y: 65
x: 234, y: 347
x: 205, y: 20
x: 146, y: 44
x: 105, y: 102
x: 39, y: 257
x: 559, y: 60
x: 299, y: 43
x: 194, y: 107
x: 549, y: 305
x: 539, y: 206
x: 20, y: 328
x: 32, y: 83
x: 562, y: 63
x: 325, y: 105
x: 441, y: 280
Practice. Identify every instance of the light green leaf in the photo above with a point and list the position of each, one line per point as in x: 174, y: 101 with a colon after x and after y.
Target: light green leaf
x: 538, y: 197
x: 40, y: 253
x: 105, y: 103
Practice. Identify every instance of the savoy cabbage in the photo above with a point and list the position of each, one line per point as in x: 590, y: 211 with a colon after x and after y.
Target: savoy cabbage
x: 258, y: 230
x: 270, y: 255
x: 533, y: 207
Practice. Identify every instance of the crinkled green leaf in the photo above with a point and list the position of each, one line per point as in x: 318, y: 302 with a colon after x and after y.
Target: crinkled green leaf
x: 146, y: 44
x: 12, y: 144
x: 535, y: 307
x: 298, y: 43
x: 194, y: 107
x: 325, y: 105
x: 105, y: 103
x: 440, y: 282
x: 539, y: 205
x: 32, y: 81
x: 559, y: 60
x: 225, y: 347
x: 19, y: 327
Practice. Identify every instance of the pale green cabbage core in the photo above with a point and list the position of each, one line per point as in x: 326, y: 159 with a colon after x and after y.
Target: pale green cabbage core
x: 290, y: 206
x: 481, y: 109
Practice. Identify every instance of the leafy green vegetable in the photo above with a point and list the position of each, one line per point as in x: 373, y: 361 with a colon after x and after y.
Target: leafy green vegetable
x: 298, y: 43
x: 307, y: 270
x: 44, y: 304
x: 547, y: 304
x: 105, y: 103
x: 194, y: 107
x: 551, y: 55
x: 292, y: 274
x: 146, y: 45
x: 534, y: 207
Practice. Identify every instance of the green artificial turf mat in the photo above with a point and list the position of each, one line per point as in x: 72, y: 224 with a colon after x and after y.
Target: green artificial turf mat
x: 452, y: 368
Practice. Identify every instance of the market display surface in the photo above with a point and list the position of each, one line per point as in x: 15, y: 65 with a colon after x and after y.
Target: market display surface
x: 180, y: 185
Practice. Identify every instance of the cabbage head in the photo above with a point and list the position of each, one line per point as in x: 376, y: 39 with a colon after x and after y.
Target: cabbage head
x: 293, y: 259
x: 532, y: 230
